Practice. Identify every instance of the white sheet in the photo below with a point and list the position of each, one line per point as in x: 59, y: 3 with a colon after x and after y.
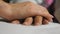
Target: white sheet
x: 51, y: 28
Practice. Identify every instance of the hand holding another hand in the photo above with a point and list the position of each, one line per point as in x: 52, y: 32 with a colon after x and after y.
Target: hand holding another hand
x: 23, y: 10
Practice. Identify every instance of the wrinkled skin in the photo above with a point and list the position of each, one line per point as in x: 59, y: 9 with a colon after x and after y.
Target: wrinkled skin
x: 23, y: 10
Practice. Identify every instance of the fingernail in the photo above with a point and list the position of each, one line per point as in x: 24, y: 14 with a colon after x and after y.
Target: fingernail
x: 52, y: 16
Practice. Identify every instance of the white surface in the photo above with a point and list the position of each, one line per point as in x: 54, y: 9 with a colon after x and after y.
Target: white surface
x: 6, y: 28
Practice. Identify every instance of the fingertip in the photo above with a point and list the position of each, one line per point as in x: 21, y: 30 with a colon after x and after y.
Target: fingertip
x: 38, y: 20
x: 52, y: 16
x: 49, y: 18
x: 45, y: 21
x: 28, y: 21
x: 15, y: 22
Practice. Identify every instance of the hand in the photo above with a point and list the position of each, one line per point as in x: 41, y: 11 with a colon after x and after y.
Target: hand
x: 28, y: 9
x: 38, y: 20
x: 23, y: 10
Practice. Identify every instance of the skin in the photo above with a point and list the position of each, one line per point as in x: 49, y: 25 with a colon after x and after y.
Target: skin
x: 28, y: 21
x: 22, y: 10
x: 37, y: 21
x: 45, y: 21
x: 15, y: 22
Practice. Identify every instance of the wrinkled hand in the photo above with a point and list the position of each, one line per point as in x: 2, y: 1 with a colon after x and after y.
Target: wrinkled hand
x: 38, y: 19
x: 23, y: 10
x: 28, y: 9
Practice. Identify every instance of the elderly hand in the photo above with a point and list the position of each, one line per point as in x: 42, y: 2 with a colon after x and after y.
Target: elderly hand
x: 38, y: 19
x: 23, y: 10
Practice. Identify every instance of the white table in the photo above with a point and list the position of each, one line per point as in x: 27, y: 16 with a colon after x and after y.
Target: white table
x: 6, y: 28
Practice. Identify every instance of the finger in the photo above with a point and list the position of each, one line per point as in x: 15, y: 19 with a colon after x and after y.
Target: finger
x: 49, y: 17
x: 50, y: 20
x: 15, y: 22
x: 38, y: 20
x: 44, y: 12
x: 28, y: 21
x: 45, y: 21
